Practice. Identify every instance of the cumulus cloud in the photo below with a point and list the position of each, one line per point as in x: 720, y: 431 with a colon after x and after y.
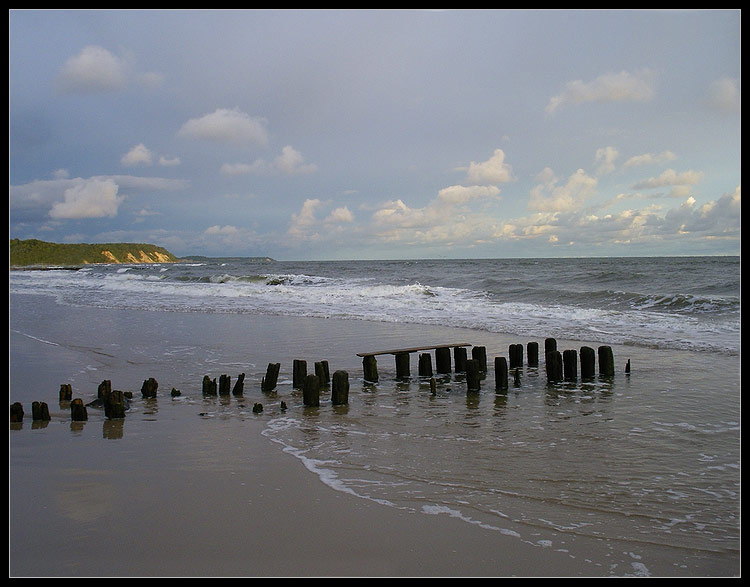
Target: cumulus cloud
x: 224, y: 125
x: 549, y: 196
x: 670, y: 178
x: 610, y: 87
x: 92, y: 199
x: 94, y: 69
x: 650, y: 159
x: 138, y: 155
x: 725, y: 96
x: 289, y: 162
x: 493, y: 171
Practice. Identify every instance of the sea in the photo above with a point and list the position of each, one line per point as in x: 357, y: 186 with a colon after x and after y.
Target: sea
x: 646, y: 462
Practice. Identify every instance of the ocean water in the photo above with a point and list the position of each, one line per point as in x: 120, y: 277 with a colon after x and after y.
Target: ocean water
x: 645, y: 464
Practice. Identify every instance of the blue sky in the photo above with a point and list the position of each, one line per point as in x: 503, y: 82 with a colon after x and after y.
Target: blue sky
x: 361, y: 134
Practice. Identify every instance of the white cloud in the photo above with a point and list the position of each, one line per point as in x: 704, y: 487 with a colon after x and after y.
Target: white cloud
x: 548, y: 196
x: 302, y: 222
x: 94, y: 69
x: 610, y: 87
x: 340, y: 215
x: 650, y: 159
x: 494, y: 170
x: 605, y: 157
x: 725, y: 96
x: 138, y: 155
x: 289, y: 162
x: 166, y: 162
x: 458, y: 194
x: 670, y: 178
x: 91, y: 199
x: 226, y: 230
x: 226, y: 125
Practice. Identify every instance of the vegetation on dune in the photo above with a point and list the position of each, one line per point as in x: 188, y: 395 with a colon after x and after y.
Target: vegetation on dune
x: 25, y: 253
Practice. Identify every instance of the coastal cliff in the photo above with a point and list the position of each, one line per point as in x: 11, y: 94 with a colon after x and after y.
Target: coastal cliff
x: 36, y: 253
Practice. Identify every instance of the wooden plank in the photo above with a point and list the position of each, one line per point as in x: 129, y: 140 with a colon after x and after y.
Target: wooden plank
x: 413, y: 349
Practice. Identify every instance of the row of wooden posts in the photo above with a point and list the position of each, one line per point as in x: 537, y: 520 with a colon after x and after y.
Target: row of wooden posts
x: 559, y: 366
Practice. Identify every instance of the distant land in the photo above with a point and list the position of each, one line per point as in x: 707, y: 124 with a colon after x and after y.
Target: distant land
x: 40, y: 254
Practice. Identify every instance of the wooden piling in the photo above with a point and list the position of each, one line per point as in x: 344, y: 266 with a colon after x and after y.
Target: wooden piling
x: 473, y: 367
x: 515, y: 355
x: 459, y: 359
x: 225, y: 384
x: 433, y: 386
x: 554, y: 366
x: 66, y: 392
x: 209, y: 386
x: 311, y: 391
x: 104, y: 389
x: 239, y: 387
x: 299, y: 373
x: 268, y: 383
x: 78, y: 411
x: 570, y: 365
x: 588, y: 362
x: 370, y: 368
x: 403, y: 365
x: 479, y: 354
x: 114, y: 405
x: 149, y: 387
x: 340, y: 388
x: 627, y: 367
x: 425, y: 365
x: 606, y: 361
x: 16, y: 412
x: 501, y: 374
x: 532, y: 354
x: 550, y: 345
x: 517, y: 377
x: 40, y: 411
x: 323, y: 373
x: 443, y: 360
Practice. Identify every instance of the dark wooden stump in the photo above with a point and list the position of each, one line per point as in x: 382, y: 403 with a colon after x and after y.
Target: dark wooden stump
x: 606, y: 361
x: 257, y: 408
x: 323, y: 373
x: 268, y: 383
x: 403, y: 368
x: 225, y: 384
x: 104, y: 389
x: 588, y: 362
x: 239, y: 386
x: 570, y: 365
x: 209, y: 386
x: 40, y: 411
x: 459, y: 359
x: 299, y: 373
x: 66, y: 392
x: 517, y: 377
x: 515, y: 355
x: 175, y: 392
x: 340, y: 388
x: 114, y: 405
x: 443, y: 360
x: 16, y: 412
x: 554, y: 366
x: 370, y: 368
x: 149, y: 387
x: 479, y: 354
x: 425, y: 365
x: 78, y: 411
x: 311, y: 391
x: 501, y: 374
x: 473, y: 369
x: 433, y: 386
x: 532, y: 352
x: 550, y: 345
x: 627, y: 367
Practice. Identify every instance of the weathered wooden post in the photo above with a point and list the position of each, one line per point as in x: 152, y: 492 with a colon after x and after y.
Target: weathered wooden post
x: 323, y: 373
x: 433, y: 386
x: 66, y: 392
x: 257, y: 408
x: 104, y: 389
x: 606, y: 361
x: 479, y: 354
x: 459, y: 359
x: 149, y: 387
x: 517, y: 377
x: 78, y: 411
x: 472, y: 375
x: 402, y: 365
x: 501, y: 374
x: 40, y: 411
x: 532, y: 352
x: 114, y: 405
x: 16, y: 412
x: 570, y: 365
x: 340, y: 388
x: 588, y: 362
x: 225, y: 384
x: 550, y: 345
x: 443, y: 360
x: 425, y: 365
x: 311, y: 391
x: 370, y: 368
x: 627, y: 367
x: 515, y: 355
x: 554, y: 366
x: 209, y: 385
x: 268, y: 383
x: 239, y: 387
x: 299, y: 373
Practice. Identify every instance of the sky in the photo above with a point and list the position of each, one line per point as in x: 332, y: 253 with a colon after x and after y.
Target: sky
x: 378, y: 134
